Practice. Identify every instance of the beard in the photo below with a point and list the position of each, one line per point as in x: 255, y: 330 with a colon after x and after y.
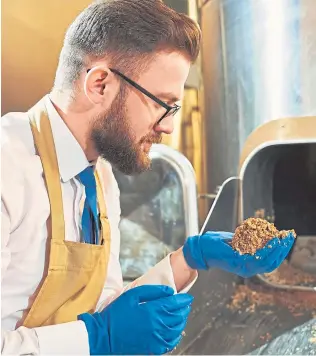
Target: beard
x: 115, y: 141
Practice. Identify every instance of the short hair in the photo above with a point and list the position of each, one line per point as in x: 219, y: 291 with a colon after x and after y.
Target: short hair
x: 127, y: 33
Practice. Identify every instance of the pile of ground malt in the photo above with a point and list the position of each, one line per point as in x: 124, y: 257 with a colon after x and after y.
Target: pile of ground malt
x: 287, y: 274
x: 249, y: 299
x: 254, y: 233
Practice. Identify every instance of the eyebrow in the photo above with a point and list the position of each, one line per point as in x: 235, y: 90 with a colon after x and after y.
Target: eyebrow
x: 170, y: 97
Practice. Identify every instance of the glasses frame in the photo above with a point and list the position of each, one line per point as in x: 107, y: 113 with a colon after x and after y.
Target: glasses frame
x: 170, y: 110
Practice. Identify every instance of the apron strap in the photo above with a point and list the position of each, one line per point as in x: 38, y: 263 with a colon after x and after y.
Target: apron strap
x: 45, y: 146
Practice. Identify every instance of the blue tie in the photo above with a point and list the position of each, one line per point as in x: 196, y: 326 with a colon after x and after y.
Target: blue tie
x: 90, y: 221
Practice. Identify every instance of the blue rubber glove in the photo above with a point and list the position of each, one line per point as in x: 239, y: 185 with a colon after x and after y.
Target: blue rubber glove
x: 213, y: 250
x: 144, y: 320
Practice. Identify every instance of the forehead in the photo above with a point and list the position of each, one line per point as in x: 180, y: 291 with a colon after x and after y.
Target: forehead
x: 167, y: 73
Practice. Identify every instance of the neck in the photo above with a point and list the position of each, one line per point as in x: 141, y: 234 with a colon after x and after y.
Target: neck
x: 77, y: 118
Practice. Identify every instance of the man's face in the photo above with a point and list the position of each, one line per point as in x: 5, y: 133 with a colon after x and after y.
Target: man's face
x: 124, y: 134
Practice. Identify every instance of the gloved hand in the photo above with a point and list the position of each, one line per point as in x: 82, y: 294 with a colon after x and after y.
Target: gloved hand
x: 213, y: 249
x: 144, y: 320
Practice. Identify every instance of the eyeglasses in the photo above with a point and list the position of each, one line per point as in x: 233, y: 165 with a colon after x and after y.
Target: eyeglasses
x: 170, y: 110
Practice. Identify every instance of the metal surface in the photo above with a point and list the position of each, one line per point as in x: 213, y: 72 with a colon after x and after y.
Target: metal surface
x: 258, y: 60
x: 184, y: 169
x: 299, y: 341
x: 224, y: 210
x: 159, y: 210
x: 276, y: 164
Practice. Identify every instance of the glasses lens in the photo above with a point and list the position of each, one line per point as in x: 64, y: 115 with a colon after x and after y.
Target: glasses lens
x: 173, y: 111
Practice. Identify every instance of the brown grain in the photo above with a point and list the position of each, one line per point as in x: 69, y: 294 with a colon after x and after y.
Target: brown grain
x: 252, y: 299
x: 254, y: 233
x: 287, y: 274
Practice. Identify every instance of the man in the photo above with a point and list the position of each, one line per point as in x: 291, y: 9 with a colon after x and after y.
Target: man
x: 121, y: 72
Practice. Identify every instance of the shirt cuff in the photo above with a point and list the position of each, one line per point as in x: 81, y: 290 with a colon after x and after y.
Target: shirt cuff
x: 162, y: 273
x: 63, y: 339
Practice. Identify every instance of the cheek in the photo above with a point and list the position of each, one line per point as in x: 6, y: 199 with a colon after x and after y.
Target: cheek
x: 142, y: 115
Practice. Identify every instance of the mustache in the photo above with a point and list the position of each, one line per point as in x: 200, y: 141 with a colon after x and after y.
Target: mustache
x: 157, y: 138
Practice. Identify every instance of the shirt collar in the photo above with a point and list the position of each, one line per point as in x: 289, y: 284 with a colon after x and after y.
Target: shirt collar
x: 70, y: 156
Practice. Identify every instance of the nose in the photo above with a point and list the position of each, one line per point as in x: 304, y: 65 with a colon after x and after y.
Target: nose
x: 166, y: 125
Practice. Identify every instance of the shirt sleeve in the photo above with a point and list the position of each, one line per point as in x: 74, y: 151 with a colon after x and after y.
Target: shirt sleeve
x: 12, y: 198
x: 61, y: 339
x: 162, y: 273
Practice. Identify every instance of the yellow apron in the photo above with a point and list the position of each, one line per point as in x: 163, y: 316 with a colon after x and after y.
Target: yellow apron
x: 76, y: 271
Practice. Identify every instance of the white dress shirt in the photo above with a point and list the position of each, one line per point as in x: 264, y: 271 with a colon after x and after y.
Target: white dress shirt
x: 25, y: 210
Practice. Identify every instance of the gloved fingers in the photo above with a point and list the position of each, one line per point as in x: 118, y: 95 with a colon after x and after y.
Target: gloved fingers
x: 287, y: 242
x: 284, y: 251
x: 265, y: 264
x: 268, y: 250
x: 249, y: 265
x: 263, y: 257
x: 278, y: 257
x: 165, y: 346
x: 215, y: 247
x: 147, y: 293
x: 274, y: 265
x: 277, y: 245
x: 169, y: 333
x: 225, y: 235
x: 265, y: 260
x: 159, y: 347
x: 174, y: 343
x: 172, y: 319
x: 175, y: 302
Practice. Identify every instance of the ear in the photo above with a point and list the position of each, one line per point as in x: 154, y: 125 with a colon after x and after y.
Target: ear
x: 100, y: 86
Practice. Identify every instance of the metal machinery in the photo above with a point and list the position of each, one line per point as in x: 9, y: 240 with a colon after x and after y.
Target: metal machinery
x: 258, y: 110
x: 258, y: 74
x: 158, y: 210
x: 277, y: 181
